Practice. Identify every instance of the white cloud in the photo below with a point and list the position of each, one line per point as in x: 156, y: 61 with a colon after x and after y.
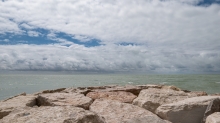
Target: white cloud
x: 33, y: 33
x: 107, y: 58
x: 175, y: 35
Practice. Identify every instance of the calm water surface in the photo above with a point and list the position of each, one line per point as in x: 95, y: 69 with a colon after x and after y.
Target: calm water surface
x: 13, y: 84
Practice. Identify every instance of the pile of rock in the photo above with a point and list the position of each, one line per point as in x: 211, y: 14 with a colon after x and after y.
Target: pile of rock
x: 112, y: 104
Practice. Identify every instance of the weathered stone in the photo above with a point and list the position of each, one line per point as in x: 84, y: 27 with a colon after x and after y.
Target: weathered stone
x: 79, y: 90
x: 214, y: 106
x: 117, y: 112
x: 198, y: 93
x: 213, y: 118
x: 9, y: 105
x: 152, y: 98
x: 121, y: 96
x: 190, y: 110
x: 50, y: 91
x: 57, y: 114
x: 61, y: 99
x: 171, y: 87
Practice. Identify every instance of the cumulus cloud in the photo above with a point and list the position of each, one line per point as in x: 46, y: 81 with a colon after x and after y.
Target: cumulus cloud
x: 172, y: 35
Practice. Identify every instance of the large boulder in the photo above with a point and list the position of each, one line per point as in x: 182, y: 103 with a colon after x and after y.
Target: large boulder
x: 121, y: 96
x: 10, y: 104
x: 117, y: 112
x: 190, y: 110
x: 213, y: 118
x: 152, y: 98
x: 62, y: 99
x: 47, y: 114
x: 214, y: 106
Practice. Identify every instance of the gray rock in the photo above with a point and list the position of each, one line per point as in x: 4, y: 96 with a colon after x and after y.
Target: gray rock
x: 213, y: 118
x: 152, y: 98
x: 9, y: 105
x: 47, y: 114
x: 117, y: 112
x: 190, y: 110
x: 62, y: 99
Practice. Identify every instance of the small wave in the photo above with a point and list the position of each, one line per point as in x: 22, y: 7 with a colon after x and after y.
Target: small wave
x: 217, y: 82
x: 130, y: 82
x: 163, y: 83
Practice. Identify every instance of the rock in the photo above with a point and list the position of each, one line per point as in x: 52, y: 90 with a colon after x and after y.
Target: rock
x: 57, y: 114
x: 214, y: 106
x: 111, y: 88
x: 213, y: 118
x: 152, y: 98
x: 62, y: 99
x: 117, y: 112
x: 9, y: 105
x: 171, y: 87
x: 79, y: 90
x: 135, y: 89
x: 50, y: 91
x: 189, y: 110
x: 121, y: 96
x: 199, y: 93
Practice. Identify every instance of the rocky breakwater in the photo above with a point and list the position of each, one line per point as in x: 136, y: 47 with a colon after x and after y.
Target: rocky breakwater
x: 112, y: 104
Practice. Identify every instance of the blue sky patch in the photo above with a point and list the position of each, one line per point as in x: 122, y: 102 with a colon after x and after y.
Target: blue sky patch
x: 208, y: 2
x: 43, y: 36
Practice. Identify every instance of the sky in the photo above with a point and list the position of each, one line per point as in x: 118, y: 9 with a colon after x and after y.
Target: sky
x: 140, y: 36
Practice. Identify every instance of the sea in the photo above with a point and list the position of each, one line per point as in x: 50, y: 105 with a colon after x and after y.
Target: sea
x: 12, y: 84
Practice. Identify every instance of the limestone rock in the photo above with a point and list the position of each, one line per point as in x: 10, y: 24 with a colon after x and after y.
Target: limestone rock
x: 121, y: 96
x: 214, y: 106
x: 152, y: 98
x: 171, y: 87
x: 117, y: 112
x: 9, y: 105
x: 213, y: 118
x: 190, y: 110
x: 79, y: 90
x: 47, y: 114
x: 199, y: 93
x: 62, y: 99
x: 50, y: 91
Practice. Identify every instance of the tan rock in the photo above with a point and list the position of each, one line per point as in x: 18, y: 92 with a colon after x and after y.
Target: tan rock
x: 121, y: 96
x: 190, y: 110
x: 9, y: 105
x: 57, y: 114
x: 117, y: 112
x: 152, y: 98
x: 62, y: 99
x: 213, y: 118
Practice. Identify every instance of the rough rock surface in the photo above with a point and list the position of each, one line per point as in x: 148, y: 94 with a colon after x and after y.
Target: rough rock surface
x: 61, y: 99
x: 121, y: 96
x: 190, y: 110
x: 213, y: 118
x: 117, y: 112
x: 10, y: 104
x: 214, y: 106
x: 152, y: 98
x: 57, y: 114
x: 50, y: 91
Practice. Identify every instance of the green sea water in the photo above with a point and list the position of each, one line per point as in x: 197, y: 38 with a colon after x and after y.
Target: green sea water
x: 13, y: 84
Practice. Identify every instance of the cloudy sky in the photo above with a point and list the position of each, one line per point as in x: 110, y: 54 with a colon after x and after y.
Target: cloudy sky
x: 148, y: 36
